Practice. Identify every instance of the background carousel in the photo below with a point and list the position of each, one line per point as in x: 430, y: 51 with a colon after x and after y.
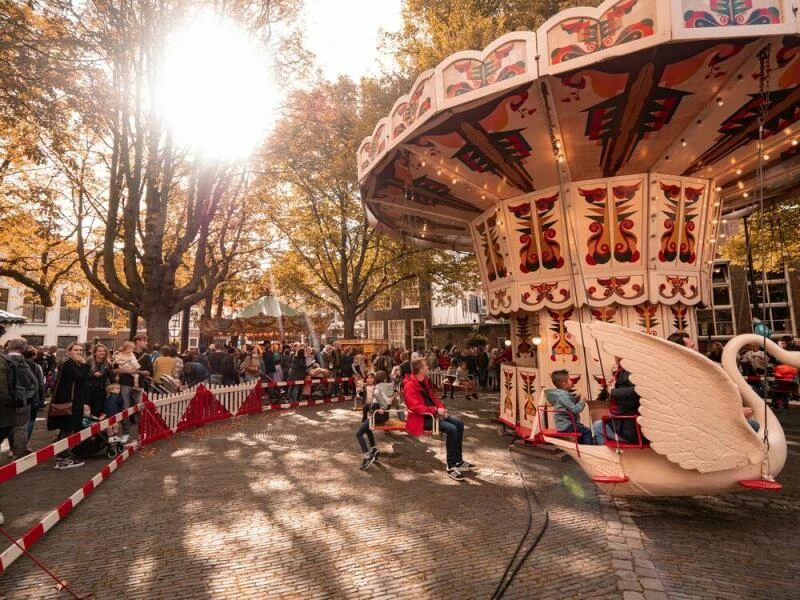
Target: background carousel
x: 588, y: 163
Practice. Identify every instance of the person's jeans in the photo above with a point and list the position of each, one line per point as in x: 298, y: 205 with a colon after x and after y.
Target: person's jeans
x: 364, y: 429
x: 294, y: 392
x: 453, y: 428
x: 586, y: 433
x: 129, y: 398
x: 18, y: 438
x: 32, y: 422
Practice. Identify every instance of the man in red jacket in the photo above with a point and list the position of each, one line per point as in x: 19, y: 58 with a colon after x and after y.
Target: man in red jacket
x: 422, y: 401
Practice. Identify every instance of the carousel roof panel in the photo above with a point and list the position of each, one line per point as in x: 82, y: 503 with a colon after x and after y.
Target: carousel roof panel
x: 633, y: 86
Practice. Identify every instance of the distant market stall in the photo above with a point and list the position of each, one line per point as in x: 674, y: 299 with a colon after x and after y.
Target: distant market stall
x: 267, y: 317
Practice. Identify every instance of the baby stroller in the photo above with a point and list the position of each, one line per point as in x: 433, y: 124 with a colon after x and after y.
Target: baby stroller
x: 97, y: 444
x: 165, y: 385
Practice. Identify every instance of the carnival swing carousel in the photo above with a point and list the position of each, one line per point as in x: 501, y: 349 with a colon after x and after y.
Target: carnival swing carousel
x: 589, y: 165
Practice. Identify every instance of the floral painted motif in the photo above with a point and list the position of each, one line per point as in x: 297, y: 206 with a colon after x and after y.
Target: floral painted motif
x: 536, y: 222
x: 607, y: 314
x: 479, y: 74
x: 677, y: 285
x: 606, y: 32
x: 730, y: 13
x: 691, y: 211
x: 671, y: 235
x: 625, y: 249
x: 599, y: 244
x: 523, y: 335
x: 561, y: 349
x: 500, y: 301
x: 544, y: 291
x: 508, y: 388
x: 493, y: 256
x: 648, y: 318
x: 680, y: 317
x: 529, y: 407
x: 614, y: 286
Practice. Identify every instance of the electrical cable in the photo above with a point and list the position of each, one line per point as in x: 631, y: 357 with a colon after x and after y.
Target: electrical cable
x: 509, y: 574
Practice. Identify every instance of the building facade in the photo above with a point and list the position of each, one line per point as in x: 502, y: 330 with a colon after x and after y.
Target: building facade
x: 412, y: 320
x: 58, y: 325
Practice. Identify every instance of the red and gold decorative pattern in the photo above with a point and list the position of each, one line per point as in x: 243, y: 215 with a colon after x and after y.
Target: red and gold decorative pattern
x: 479, y: 73
x: 671, y: 236
x: 614, y: 286
x: 500, y: 301
x: 606, y: 32
x: 691, y: 211
x: 544, y: 293
x: 680, y: 317
x: 508, y: 391
x: 731, y: 13
x: 493, y: 256
x: 529, y: 406
x: 561, y: 348
x: 599, y: 244
x: 607, y: 314
x: 677, y: 286
x: 536, y: 223
x: 625, y: 244
x: 523, y: 335
x: 648, y: 317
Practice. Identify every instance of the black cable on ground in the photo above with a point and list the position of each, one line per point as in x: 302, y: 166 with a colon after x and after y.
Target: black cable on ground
x: 509, y: 574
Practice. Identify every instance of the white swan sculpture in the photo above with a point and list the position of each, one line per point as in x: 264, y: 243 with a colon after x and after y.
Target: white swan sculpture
x: 691, y: 411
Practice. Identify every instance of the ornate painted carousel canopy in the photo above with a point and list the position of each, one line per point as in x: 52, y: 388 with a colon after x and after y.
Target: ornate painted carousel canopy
x: 586, y: 162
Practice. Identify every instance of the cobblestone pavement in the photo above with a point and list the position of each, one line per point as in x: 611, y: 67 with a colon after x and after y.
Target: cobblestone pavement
x: 274, y: 506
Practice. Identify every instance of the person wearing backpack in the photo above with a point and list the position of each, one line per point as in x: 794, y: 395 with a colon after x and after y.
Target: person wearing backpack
x: 24, y: 388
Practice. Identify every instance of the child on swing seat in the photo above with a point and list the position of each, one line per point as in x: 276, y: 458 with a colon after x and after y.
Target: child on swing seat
x: 563, y: 398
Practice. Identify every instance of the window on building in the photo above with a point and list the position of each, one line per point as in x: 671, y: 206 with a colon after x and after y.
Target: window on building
x: 104, y: 317
x: 32, y: 310
x: 717, y: 320
x: 63, y: 341
x: 409, y: 295
x: 375, y: 330
x: 192, y: 342
x: 3, y: 298
x: 774, y: 302
x: 69, y: 313
x: 418, y: 333
x: 397, y: 334
x: 474, y: 303
x: 35, y: 340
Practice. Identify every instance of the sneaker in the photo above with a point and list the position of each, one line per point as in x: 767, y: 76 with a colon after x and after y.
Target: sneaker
x: 2, y: 519
x: 69, y: 463
x: 375, y: 455
x: 465, y: 466
x: 454, y: 474
x: 366, y: 463
x: 124, y: 439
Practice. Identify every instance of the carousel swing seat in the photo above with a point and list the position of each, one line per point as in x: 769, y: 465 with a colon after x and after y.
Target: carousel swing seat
x: 641, y: 442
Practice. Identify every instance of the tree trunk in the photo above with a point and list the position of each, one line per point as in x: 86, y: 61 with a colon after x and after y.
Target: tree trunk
x: 208, y: 306
x: 349, y: 318
x: 133, y: 322
x: 158, y: 327
x: 185, y: 325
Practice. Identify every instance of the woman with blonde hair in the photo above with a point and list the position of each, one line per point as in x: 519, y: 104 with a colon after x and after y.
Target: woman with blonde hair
x: 100, y: 376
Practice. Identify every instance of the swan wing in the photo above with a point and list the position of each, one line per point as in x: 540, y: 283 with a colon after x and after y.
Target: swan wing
x: 690, y: 408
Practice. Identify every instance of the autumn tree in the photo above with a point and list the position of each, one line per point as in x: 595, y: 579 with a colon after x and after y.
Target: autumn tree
x: 158, y: 227
x: 433, y: 29
x: 774, y: 238
x: 332, y: 258
x: 38, y: 60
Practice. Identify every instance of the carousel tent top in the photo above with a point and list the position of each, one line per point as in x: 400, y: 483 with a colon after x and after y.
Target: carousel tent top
x: 7, y: 318
x: 673, y: 87
x: 266, y: 316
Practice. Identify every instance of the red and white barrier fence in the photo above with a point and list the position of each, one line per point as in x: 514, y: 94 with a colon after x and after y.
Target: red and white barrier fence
x: 62, y: 510
x: 165, y: 415
x: 161, y: 416
x: 21, y: 465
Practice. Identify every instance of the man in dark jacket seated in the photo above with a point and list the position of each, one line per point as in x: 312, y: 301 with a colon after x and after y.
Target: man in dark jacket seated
x: 624, y: 403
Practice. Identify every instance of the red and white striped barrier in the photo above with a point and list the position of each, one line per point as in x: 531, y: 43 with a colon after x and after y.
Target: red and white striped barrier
x: 21, y: 465
x: 62, y: 510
